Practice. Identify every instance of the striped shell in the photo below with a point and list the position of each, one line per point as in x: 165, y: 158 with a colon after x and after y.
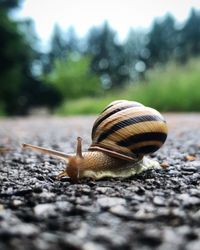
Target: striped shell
x: 128, y: 130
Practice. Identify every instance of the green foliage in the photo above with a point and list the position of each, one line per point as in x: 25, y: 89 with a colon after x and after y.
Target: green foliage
x: 174, y: 88
x: 73, y: 79
x: 85, y: 105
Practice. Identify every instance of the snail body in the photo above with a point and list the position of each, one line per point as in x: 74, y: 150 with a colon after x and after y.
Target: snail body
x: 123, y: 134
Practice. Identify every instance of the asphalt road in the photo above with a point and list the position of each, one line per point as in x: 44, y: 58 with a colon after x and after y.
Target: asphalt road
x: 159, y: 209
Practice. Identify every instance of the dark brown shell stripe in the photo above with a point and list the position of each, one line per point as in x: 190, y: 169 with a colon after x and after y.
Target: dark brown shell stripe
x: 119, y: 102
x: 109, y: 112
x: 144, y: 143
x: 127, y: 123
x: 112, y: 104
x: 123, y: 116
x: 148, y: 136
x: 141, y: 143
x: 129, y: 128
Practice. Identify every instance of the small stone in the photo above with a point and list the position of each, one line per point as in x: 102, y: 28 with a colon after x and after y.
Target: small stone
x: 196, y: 164
x: 70, y: 241
x: 47, y: 195
x: 189, y: 200
x: 139, y: 198
x: 4, y: 149
x: 120, y: 211
x: 188, y: 172
x: 159, y: 201
x: 23, y: 192
x: 91, y: 246
x: 189, y: 168
x: 107, y: 202
x: 190, y: 157
x: 151, y: 237
x: 86, y: 189
x: 117, y: 239
x: 194, y: 245
x: 49, y: 237
x: 104, y: 190
x: 24, y: 229
x: 142, y: 215
x: 17, y: 203
x: 196, y: 215
x: 174, y: 203
x: 194, y: 192
x: 44, y: 210
x: 37, y: 189
x: 164, y: 164
x: 174, y: 173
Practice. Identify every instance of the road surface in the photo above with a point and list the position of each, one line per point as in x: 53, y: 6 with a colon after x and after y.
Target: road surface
x: 159, y: 209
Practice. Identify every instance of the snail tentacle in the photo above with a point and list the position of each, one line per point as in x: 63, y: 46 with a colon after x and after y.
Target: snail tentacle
x: 44, y: 150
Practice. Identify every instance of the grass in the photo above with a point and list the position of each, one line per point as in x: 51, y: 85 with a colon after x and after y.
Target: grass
x: 173, y: 88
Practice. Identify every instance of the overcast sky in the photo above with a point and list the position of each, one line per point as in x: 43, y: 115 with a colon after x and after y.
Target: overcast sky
x: 82, y: 14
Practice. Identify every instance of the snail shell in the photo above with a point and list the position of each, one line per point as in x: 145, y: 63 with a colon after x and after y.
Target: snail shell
x: 122, y: 135
x: 128, y: 130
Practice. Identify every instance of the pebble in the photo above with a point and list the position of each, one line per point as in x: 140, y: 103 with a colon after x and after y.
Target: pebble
x: 24, y: 229
x: 44, y: 210
x: 117, y: 239
x: 151, y: 237
x: 107, y: 202
x: 105, y: 190
x: 17, y: 203
x: 193, y: 245
x: 93, y: 246
x: 142, y: 215
x: 196, y: 165
x: 121, y: 211
x: 188, y: 200
x: 159, y: 201
x: 189, y: 168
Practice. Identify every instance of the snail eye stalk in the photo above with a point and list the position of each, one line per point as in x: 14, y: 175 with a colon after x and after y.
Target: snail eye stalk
x: 79, y: 147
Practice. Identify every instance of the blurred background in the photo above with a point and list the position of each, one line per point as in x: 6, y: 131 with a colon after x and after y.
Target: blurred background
x: 74, y: 57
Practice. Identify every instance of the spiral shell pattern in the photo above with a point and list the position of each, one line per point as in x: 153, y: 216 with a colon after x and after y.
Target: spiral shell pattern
x: 128, y: 130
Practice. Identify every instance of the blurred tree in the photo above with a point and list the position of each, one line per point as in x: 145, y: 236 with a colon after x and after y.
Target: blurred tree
x: 61, y: 46
x: 57, y: 49
x: 107, y: 56
x: 162, y: 40
x: 136, y: 53
x: 72, y: 41
x: 17, y: 58
x: 12, y: 51
x: 189, y: 41
x: 9, y: 4
x: 73, y: 79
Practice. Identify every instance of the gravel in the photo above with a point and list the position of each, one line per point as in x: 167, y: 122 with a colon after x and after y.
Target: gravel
x: 159, y: 209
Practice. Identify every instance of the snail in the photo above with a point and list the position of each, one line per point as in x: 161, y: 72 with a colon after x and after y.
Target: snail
x: 123, y: 134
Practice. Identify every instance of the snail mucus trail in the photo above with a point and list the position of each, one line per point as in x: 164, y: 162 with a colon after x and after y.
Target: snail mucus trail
x: 123, y: 134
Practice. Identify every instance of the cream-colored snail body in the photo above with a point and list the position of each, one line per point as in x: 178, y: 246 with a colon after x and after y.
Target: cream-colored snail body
x: 122, y: 135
